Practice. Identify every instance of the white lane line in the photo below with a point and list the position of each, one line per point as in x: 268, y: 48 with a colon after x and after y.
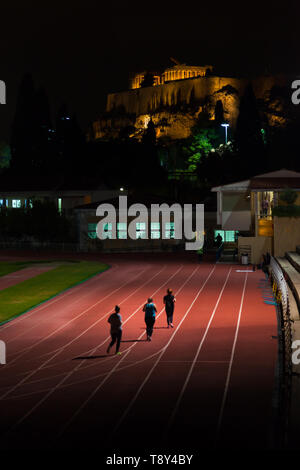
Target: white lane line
x: 159, y: 357
x: 129, y: 365
x: 61, y: 348
x: 231, y: 361
x: 83, y: 405
x: 29, y: 348
x: 87, y: 379
x: 23, y: 418
x: 175, y: 409
x: 72, y: 290
x: 29, y: 375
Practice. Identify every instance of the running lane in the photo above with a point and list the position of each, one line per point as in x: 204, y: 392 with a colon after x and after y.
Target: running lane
x: 226, y: 398
x: 62, y: 390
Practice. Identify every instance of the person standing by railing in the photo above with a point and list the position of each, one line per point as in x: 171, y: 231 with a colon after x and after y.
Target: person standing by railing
x: 265, y: 207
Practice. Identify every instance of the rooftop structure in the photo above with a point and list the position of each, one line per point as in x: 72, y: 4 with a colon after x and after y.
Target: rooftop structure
x: 177, y: 72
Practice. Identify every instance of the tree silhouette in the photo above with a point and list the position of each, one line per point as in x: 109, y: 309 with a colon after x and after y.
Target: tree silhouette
x: 22, y: 135
x: 70, y: 141
x: 149, y: 137
x: 42, y: 150
x: 248, y: 129
x: 219, y: 113
x: 5, y: 155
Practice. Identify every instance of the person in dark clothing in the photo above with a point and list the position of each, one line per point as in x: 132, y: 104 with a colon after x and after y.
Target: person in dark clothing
x: 169, y: 301
x: 150, y: 313
x: 219, y: 240
x: 115, y: 321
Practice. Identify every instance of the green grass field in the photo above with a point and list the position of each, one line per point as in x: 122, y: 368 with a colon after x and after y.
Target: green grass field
x: 11, y: 267
x: 21, y: 297
x: 7, y: 268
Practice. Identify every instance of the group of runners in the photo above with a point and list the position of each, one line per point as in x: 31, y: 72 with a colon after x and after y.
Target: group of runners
x: 149, y: 310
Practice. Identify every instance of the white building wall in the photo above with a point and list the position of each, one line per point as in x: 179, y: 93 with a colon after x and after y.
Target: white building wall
x: 238, y: 220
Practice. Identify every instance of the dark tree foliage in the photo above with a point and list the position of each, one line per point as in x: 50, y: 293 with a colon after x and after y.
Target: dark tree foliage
x: 248, y: 133
x: 5, y: 155
x: 70, y: 142
x: 42, y: 150
x: 41, y: 222
x: 23, y: 126
x: 126, y: 163
x: 283, y: 146
x: 36, y: 147
x: 288, y: 196
x: 149, y: 137
x: 219, y: 113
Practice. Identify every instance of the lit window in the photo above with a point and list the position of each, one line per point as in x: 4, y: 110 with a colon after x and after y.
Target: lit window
x: 170, y: 231
x: 155, y: 230
x: 220, y: 232
x: 92, y: 231
x: 1, y: 202
x: 107, y: 231
x: 227, y: 235
x: 122, y: 230
x: 140, y: 230
x: 59, y: 204
x: 16, y: 203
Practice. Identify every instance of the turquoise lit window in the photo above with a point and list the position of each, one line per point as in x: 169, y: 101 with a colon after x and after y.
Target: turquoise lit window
x: 227, y: 235
x: 140, y: 230
x: 107, y: 231
x: 170, y: 230
x: 16, y: 203
x: 155, y: 230
x: 59, y: 204
x: 122, y: 230
x: 92, y: 231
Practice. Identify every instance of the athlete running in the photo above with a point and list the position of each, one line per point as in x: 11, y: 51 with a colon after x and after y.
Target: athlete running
x: 169, y: 301
x: 115, y: 321
x: 150, y: 312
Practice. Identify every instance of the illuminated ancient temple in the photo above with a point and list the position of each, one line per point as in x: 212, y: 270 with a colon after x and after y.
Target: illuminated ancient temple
x: 177, y: 72
x: 174, y: 98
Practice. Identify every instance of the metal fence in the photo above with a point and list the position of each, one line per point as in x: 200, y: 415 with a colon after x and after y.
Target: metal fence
x: 285, y: 367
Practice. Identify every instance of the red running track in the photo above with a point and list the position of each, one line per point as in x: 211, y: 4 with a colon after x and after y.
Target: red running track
x: 206, y: 383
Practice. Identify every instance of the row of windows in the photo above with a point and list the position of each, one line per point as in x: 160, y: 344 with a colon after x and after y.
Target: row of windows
x: 140, y: 230
x: 15, y: 203
x: 227, y: 235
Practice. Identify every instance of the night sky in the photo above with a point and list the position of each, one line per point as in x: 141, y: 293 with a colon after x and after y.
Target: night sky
x: 80, y: 51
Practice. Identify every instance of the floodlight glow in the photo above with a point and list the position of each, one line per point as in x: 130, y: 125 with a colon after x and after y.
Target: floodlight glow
x: 226, y: 127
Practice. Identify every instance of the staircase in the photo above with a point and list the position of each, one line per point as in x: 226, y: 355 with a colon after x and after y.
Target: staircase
x: 229, y: 253
x: 290, y: 265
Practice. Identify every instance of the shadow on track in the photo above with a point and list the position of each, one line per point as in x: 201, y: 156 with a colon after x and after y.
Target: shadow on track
x: 133, y: 340
x: 79, y: 358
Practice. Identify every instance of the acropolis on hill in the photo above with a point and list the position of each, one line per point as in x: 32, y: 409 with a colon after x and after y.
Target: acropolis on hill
x: 175, y: 98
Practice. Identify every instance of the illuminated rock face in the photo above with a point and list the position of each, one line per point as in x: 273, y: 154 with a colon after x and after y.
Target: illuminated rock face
x: 174, y: 107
